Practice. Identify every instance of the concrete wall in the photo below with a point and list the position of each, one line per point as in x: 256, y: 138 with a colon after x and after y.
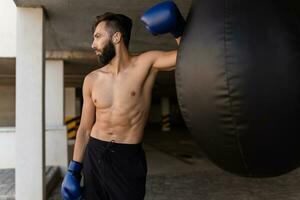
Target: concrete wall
x: 70, y: 102
x: 7, y: 106
x: 56, y: 148
x: 155, y: 115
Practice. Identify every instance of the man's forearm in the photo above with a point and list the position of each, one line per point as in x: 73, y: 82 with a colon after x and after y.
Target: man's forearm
x: 82, y: 138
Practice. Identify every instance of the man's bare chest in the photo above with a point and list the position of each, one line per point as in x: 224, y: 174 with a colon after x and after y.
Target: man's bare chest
x: 117, y: 92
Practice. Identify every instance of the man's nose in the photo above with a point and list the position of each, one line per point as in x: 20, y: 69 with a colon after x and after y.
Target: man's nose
x: 93, y: 45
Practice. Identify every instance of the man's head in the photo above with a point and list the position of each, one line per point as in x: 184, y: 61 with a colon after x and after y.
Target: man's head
x: 110, y: 30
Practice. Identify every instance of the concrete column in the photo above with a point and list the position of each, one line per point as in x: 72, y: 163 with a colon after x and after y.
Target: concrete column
x: 56, y: 131
x: 54, y: 93
x: 30, y: 102
x: 165, y: 113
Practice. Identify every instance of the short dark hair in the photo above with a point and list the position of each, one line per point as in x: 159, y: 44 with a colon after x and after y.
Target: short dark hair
x: 116, y: 23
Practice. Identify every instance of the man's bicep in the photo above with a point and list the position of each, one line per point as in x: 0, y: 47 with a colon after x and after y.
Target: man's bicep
x: 88, y: 108
x: 164, y: 60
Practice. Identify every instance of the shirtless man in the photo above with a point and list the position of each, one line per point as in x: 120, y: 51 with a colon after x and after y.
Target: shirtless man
x: 117, y: 100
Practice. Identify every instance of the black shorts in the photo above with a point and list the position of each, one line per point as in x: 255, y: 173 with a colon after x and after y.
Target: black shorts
x: 114, y: 171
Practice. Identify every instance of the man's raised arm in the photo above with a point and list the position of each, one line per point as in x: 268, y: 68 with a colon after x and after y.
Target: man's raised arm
x: 163, y: 18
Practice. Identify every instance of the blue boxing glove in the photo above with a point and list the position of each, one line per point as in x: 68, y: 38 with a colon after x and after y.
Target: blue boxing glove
x: 70, y: 188
x: 164, y: 18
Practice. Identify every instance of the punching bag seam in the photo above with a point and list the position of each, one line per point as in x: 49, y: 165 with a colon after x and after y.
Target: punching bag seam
x: 227, y: 25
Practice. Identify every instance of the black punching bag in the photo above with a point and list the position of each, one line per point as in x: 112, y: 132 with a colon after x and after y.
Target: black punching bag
x: 238, y: 84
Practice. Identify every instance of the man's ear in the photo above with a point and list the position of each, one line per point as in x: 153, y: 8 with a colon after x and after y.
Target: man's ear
x: 116, y: 38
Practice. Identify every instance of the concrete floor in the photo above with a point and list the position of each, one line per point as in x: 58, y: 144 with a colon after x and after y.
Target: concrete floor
x: 177, y: 171
x: 7, y: 181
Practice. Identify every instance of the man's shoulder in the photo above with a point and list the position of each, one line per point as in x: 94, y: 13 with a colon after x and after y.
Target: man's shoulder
x: 95, y: 73
x: 92, y: 75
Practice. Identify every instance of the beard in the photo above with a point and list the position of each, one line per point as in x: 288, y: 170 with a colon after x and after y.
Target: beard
x: 108, y: 53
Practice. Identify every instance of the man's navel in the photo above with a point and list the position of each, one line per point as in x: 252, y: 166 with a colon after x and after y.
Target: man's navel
x: 132, y: 93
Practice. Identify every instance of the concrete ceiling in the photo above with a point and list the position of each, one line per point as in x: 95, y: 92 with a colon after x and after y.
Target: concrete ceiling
x: 69, y: 35
x: 68, y: 24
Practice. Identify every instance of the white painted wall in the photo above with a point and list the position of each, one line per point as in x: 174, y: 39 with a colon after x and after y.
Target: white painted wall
x: 56, y: 149
x: 7, y: 147
x: 8, y: 12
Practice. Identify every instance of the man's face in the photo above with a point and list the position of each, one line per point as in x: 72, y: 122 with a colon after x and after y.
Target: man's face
x: 102, y: 44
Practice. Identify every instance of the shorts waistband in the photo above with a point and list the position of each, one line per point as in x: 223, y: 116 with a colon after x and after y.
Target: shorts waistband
x: 114, y: 145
